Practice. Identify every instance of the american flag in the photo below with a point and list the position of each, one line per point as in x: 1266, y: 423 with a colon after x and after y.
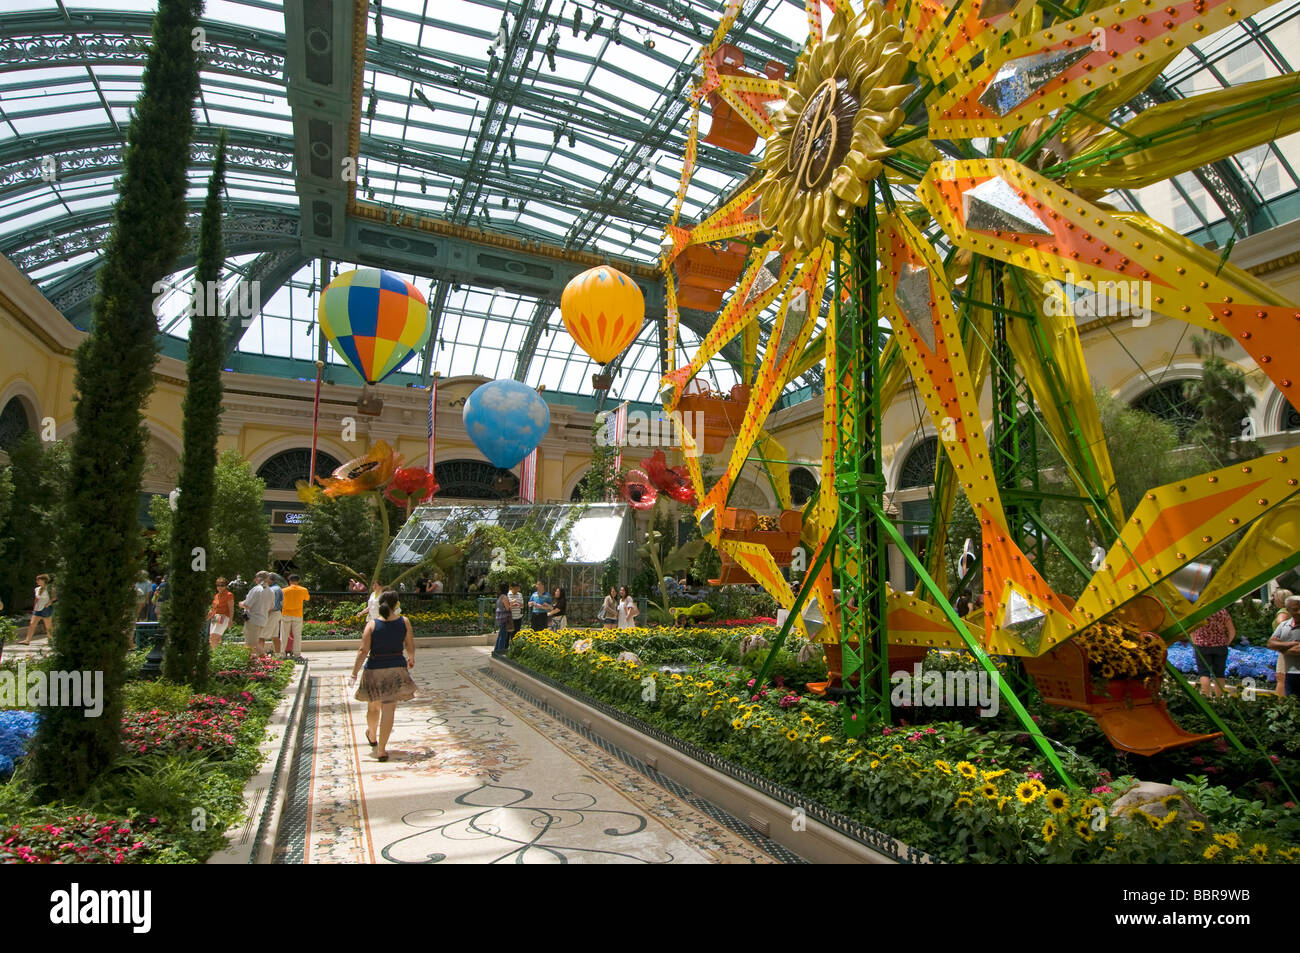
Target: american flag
x: 433, y: 409
x: 528, y: 478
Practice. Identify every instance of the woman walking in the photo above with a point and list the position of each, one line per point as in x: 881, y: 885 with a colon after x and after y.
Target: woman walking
x: 1210, y: 641
x: 503, y: 621
x: 627, y: 610
x: 372, y: 604
x: 42, y: 609
x: 222, y: 611
x: 559, y: 614
x: 609, y: 609
x: 386, y: 680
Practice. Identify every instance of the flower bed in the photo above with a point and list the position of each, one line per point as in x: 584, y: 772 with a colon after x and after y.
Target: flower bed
x: 959, y: 792
x: 16, y: 730
x: 1249, y: 661
x: 186, y: 756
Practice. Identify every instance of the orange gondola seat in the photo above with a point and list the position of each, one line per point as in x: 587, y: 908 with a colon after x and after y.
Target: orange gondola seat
x: 901, y: 658
x: 705, y: 272
x: 722, y: 416
x: 743, y: 526
x: 729, y: 130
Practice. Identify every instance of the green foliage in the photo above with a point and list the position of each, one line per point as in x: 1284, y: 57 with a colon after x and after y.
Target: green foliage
x: 113, y: 380
x: 522, y: 555
x: 240, y: 534
x: 1223, y: 404
x: 186, y: 654
x: 32, y: 493
x: 342, y: 530
x: 600, y: 483
x: 160, y: 694
x: 609, y: 575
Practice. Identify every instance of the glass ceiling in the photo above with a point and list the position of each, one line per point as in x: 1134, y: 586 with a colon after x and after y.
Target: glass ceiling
x: 592, y: 126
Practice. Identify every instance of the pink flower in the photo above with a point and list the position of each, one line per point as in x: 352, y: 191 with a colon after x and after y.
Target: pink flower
x: 750, y: 683
x: 1036, y: 775
x: 885, y: 731
x: 1101, y: 789
x: 929, y: 731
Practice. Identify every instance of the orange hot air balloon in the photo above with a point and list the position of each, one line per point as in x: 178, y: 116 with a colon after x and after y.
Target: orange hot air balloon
x: 603, y: 310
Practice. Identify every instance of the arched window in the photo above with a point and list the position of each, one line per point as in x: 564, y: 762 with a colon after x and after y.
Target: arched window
x: 285, y: 469
x: 802, y: 485
x: 474, y: 480
x: 1169, y: 402
x: 576, y: 495
x: 918, y: 466
x: 13, y: 423
x: 1290, y: 417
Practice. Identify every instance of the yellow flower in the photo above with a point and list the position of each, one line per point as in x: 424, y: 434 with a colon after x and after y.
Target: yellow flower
x: 990, y: 791
x: 1230, y: 841
x: 993, y: 775
x: 1259, y: 851
x: 943, y: 766
x: 806, y: 719
x: 1171, y: 801
x: 962, y: 802
x: 966, y: 769
x: 1195, y: 826
x: 1088, y: 806
x: 823, y: 739
x: 1038, y: 785
x: 733, y: 699
x: 1049, y: 831
x: 1084, y: 830
x: 1002, y: 802
x: 849, y: 759
x: 737, y: 724
x: 1211, y: 852
x: 875, y: 763
x: 1057, y: 801
x: 1026, y: 793
x: 705, y: 713
x: 792, y: 735
x: 897, y: 748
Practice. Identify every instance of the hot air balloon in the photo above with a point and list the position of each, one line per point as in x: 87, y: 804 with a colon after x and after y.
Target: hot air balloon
x: 603, y: 310
x: 375, y: 320
x: 506, y: 420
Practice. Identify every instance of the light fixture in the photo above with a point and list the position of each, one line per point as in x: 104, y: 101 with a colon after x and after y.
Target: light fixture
x: 559, y: 131
x: 577, y: 19
x: 573, y: 140
x: 513, y: 156
x: 370, y: 106
x: 552, y: 44
x: 649, y: 43
x: 595, y: 25
x: 419, y: 94
x: 505, y: 202
x: 424, y: 186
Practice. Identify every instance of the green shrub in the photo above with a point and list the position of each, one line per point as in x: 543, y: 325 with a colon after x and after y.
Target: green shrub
x: 160, y: 694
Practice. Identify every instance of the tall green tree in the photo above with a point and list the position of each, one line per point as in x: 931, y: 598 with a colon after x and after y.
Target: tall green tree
x: 113, y: 381
x: 186, y: 656
x: 239, y: 536
x: 1223, y: 403
x: 35, y: 484
x: 600, y: 483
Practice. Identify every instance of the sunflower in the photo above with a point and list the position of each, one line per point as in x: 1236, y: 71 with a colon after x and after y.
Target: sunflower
x: 993, y: 775
x: 737, y: 724
x: 1038, y: 785
x: 943, y: 766
x: 792, y: 735
x: 806, y: 720
x: 1155, y: 822
x: 1196, y: 826
x: 828, y: 139
x: 850, y: 758
x: 1002, y: 802
x: 990, y: 791
x: 1211, y: 852
x: 1230, y: 841
x: 1259, y: 851
x: 966, y: 769
x: 1171, y: 801
x: 1049, y: 830
x: 875, y: 763
x: 897, y: 748
x: 1057, y: 801
x: 1084, y: 830
x: 962, y: 802
x: 1088, y: 806
x: 1026, y: 793
x: 823, y: 739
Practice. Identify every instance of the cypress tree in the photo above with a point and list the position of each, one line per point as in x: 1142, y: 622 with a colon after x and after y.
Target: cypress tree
x: 186, y: 655
x: 114, y: 377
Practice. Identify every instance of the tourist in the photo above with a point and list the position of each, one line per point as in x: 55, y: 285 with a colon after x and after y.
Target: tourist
x: 558, y: 616
x: 42, y: 609
x: 291, y: 614
x: 1210, y: 641
x: 387, y: 679
x: 276, y: 614
x: 627, y: 610
x: 142, y: 592
x: 516, y: 608
x: 151, y: 612
x: 222, y: 611
x: 356, y: 585
x: 609, y: 610
x: 435, y: 587
x: 539, y: 604
x: 963, y: 604
x: 503, y: 620
x: 1096, y: 556
x: 372, y: 604
x: 1284, y: 641
x: 1280, y: 597
x: 258, y: 602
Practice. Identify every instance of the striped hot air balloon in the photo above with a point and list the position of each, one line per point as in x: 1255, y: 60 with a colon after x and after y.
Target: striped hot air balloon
x: 603, y: 310
x: 375, y: 320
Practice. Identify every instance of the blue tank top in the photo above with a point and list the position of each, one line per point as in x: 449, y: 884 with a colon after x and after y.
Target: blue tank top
x: 386, y: 641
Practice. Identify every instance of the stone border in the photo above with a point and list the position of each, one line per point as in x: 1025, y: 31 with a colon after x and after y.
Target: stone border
x: 827, y: 837
x: 267, y: 792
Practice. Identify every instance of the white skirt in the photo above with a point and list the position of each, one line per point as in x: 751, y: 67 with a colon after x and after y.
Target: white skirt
x: 218, y: 625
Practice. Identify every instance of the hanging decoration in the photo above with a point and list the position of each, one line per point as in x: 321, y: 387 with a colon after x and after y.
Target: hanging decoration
x: 375, y: 320
x: 636, y: 488
x: 506, y: 419
x: 674, y: 482
x: 603, y: 310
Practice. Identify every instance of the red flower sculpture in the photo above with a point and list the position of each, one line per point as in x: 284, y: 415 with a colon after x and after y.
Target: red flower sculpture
x: 638, y: 490
x: 411, y: 485
x: 673, y: 481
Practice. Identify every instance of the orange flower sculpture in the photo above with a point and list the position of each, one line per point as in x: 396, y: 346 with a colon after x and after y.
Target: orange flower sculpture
x: 363, y: 474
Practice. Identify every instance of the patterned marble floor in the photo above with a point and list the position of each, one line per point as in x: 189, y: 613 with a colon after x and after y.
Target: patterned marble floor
x: 479, y: 774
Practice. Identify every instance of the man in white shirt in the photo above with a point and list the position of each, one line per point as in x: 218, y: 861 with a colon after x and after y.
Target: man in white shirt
x: 436, y: 585
x: 259, y: 602
x: 1286, y: 640
x: 516, y: 601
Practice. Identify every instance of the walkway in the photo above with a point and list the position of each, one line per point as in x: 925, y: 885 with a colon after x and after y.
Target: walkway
x: 478, y: 774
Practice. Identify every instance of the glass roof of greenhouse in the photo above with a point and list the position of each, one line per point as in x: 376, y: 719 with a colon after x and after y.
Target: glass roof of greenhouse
x: 596, y: 534
x: 538, y: 121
